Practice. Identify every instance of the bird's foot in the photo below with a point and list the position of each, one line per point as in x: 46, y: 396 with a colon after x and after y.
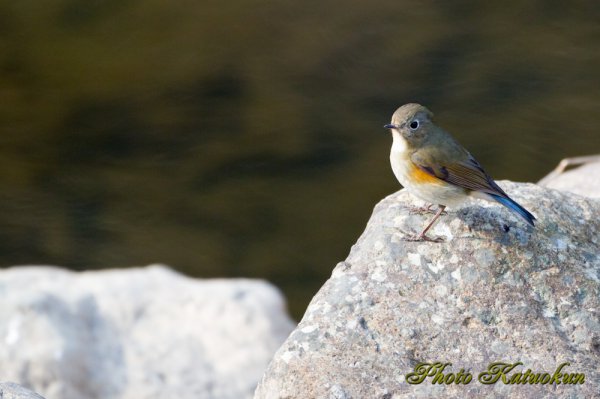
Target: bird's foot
x: 422, y: 210
x: 422, y: 237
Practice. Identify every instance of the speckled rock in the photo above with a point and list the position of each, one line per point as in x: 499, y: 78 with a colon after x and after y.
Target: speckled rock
x: 584, y: 180
x: 137, y: 333
x: 10, y: 390
x: 496, y: 291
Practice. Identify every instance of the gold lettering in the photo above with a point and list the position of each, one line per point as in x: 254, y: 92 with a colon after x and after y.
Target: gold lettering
x: 545, y: 378
x: 526, y: 377
x: 557, y: 374
x: 439, y: 375
x: 421, y: 372
x: 496, y: 371
x: 424, y: 370
x: 462, y: 378
x: 515, y: 379
x: 535, y: 379
x: 574, y: 378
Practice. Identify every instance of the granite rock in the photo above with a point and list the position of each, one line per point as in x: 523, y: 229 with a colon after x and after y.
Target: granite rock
x: 137, y: 333
x: 10, y: 390
x: 496, y: 290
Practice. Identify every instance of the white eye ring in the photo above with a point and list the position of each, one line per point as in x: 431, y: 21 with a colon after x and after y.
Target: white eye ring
x: 414, y: 125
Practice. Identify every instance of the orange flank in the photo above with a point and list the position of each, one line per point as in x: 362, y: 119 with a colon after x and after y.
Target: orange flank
x: 419, y: 176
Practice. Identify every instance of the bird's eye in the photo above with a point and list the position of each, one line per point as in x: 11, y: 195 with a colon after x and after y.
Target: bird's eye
x: 414, y: 125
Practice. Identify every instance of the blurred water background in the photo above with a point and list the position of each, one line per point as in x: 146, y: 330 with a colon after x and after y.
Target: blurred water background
x: 244, y: 138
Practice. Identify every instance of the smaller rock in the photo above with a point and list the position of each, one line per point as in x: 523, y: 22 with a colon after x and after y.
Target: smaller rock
x: 584, y: 180
x: 10, y: 390
x: 137, y: 333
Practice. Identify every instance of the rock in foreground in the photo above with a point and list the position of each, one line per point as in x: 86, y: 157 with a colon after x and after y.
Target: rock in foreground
x: 495, y: 291
x: 137, y: 333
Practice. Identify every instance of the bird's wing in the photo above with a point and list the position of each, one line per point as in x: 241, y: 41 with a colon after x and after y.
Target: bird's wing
x: 466, y: 173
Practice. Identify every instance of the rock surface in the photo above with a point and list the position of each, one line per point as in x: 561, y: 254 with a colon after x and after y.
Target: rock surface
x: 495, y: 291
x: 137, y: 333
x: 584, y: 180
x: 10, y: 390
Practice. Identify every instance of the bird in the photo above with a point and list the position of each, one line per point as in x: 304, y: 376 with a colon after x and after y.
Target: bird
x: 434, y: 167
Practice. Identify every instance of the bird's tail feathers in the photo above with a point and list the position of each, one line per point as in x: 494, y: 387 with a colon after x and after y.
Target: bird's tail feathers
x: 513, y: 206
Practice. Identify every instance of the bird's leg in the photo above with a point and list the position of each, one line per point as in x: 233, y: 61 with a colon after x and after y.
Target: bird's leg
x: 421, y: 210
x: 422, y: 236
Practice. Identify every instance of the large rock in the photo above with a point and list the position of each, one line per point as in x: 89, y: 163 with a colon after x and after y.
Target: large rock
x: 584, y: 180
x: 137, y: 333
x: 495, y: 291
x: 10, y: 390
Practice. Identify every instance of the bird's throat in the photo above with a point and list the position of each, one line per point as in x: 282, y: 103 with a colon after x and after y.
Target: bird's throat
x: 399, y: 145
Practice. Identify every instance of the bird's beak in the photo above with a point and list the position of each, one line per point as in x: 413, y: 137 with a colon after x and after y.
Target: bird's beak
x: 390, y: 126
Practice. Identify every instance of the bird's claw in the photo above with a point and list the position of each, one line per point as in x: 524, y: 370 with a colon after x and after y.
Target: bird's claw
x: 420, y: 237
x: 422, y: 210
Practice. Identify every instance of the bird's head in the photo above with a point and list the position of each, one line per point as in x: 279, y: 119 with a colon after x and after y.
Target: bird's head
x: 412, y: 122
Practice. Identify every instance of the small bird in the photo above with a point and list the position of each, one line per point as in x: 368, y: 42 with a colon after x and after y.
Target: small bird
x: 434, y: 167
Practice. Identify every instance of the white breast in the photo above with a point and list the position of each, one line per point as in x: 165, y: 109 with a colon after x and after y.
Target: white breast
x: 399, y: 159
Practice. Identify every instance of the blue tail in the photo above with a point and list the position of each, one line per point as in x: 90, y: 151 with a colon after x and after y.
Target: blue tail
x: 513, y: 206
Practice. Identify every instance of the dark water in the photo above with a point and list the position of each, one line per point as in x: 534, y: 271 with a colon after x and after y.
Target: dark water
x: 244, y: 138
